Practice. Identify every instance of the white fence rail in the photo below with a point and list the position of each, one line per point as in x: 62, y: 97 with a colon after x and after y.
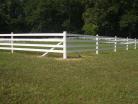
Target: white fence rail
x: 63, y: 43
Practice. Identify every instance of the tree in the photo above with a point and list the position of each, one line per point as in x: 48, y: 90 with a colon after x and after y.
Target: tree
x: 105, y: 17
x: 4, y: 18
x: 113, y: 17
x: 54, y: 15
x: 11, y: 16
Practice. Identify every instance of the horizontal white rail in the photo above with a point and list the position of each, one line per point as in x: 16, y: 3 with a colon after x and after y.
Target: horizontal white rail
x: 32, y: 49
x: 102, y: 49
x: 33, y: 45
x: 109, y: 42
x: 79, y: 35
x: 128, y: 43
x: 33, y: 40
x: 80, y: 46
x: 81, y: 41
x: 84, y: 50
x: 34, y: 34
x: 106, y: 38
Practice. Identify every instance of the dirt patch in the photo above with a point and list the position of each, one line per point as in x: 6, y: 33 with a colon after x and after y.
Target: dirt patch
x: 69, y: 59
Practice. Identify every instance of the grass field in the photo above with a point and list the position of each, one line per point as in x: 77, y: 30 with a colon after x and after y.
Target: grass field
x: 107, y: 78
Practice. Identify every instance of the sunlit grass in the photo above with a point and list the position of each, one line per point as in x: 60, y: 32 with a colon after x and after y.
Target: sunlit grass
x: 107, y: 78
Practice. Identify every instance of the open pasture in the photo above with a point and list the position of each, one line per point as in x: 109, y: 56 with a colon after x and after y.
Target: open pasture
x: 107, y: 78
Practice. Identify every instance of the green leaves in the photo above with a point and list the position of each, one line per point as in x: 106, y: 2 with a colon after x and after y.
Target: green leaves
x: 128, y: 19
x: 112, y: 17
x: 90, y: 29
x: 106, y: 17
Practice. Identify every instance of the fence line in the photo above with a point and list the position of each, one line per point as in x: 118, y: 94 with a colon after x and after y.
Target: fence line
x: 99, y: 41
x: 35, y: 42
x: 63, y: 43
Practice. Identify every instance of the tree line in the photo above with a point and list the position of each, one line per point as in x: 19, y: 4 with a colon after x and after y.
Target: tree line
x: 104, y: 17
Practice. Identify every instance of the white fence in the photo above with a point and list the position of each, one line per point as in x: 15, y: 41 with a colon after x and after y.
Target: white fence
x: 82, y: 43
x: 44, y: 42
x: 63, y: 43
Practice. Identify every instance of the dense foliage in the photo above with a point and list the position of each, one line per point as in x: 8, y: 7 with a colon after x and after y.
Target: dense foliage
x: 105, y: 17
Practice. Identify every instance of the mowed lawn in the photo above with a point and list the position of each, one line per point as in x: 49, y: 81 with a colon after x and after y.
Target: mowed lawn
x: 107, y: 78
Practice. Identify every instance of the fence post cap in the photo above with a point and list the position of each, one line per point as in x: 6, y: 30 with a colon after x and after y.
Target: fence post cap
x: 64, y: 31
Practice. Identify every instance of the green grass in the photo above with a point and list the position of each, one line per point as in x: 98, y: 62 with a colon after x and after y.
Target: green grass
x: 107, y: 78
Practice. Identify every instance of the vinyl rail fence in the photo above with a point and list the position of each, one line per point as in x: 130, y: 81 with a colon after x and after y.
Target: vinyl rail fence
x: 82, y: 43
x: 35, y: 42
x: 63, y: 43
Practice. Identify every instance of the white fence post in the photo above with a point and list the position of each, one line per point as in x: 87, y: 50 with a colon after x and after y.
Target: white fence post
x: 64, y: 45
x: 127, y: 44
x: 97, y: 44
x: 135, y: 47
x: 11, y: 42
x: 115, y: 44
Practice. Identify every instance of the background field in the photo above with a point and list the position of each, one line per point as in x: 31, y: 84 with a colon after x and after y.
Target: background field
x: 107, y: 78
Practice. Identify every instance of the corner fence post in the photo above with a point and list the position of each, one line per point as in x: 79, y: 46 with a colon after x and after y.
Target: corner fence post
x: 135, y: 46
x: 127, y: 44
x: 115, y: 44
x: 97, y: 44
x: 64, y: 45
x: 12, y: 42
